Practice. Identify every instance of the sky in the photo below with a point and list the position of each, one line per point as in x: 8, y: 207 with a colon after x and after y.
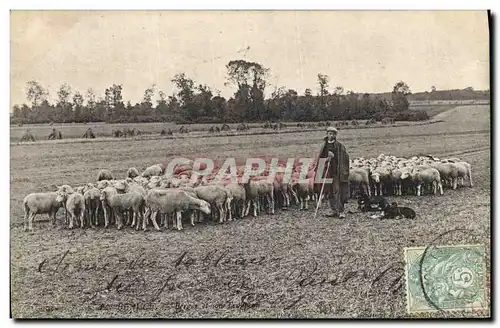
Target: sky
x: 362, y: 51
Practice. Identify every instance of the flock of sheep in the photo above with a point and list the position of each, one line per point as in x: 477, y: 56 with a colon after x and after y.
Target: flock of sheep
x: 153, y: 195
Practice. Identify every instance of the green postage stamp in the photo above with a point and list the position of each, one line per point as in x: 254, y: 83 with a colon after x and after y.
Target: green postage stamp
x: 445, y: 278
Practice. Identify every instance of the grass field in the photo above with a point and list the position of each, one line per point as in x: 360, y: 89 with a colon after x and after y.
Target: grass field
x: 269, y: 266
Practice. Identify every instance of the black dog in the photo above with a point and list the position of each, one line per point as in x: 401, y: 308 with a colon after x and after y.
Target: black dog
x: 396, y: 212
x: 372, y: 204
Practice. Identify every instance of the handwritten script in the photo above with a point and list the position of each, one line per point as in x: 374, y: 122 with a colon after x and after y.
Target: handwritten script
x: 219, y: 279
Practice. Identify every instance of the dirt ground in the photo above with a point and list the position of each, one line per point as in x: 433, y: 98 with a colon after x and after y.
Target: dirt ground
x: 287, y: 265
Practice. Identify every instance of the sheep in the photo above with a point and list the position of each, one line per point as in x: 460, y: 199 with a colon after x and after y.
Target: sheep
x: 119, y: 203
x: 75, y: 205
x: 215, y: 195
x: 359, y: 179
x: 92, y: 195
x: 106, y: 194
x: 426, y: 175
x: 40, y: 203
x: 154, y: 170
x: 103, y: 184
x: 303, y: 192
x: 132, y: 173
x: 259, y: 189
x: 283, y: 188
x: 65, y: 191
x: 381, y: 179
x: 448, y: 173
x: 104, y: 175
x: 397, y: 182
x: 168, y: 201
x: 237, y: 192
x: 464, y: 171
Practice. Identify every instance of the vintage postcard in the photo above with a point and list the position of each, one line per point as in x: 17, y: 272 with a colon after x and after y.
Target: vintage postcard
x: 250, y: 164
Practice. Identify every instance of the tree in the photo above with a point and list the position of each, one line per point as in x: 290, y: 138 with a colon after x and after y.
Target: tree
x: 64, y: 93
x: 90, y: 109
x: 16, y: 111
x: 433, y: 88
x: 161, y: 106
x: 402, y: 88
x: 242, y: 72
x: 147, y: 101
x: 399, y: 93
x: 64, y: 107
x: 323, y: 84
x: 185, y: 86
x: 114, y: 101
x: 250, y: 79
x: 148, y: 94
x: 35, y: 93
x: 323, y: 92
x: 339, y: 91
x: 78, y: 103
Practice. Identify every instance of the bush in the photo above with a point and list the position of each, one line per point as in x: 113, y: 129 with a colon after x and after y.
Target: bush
x: 411, y: 115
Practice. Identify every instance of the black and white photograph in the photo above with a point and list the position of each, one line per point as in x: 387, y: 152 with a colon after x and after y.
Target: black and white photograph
x: 250, y: 164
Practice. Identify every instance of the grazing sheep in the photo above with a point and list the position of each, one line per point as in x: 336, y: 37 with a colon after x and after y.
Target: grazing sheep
x: 104, y: 175
x: 430, y: 176
x: 132, y: 173
x: 119, y: 203
x: 397, y: 182
x: 154, y: 170
x: 217, y: 196
x: 167, y: 201
x: 448, y: 173
x: 75, y: 205
x: 302, y: 190
x: 40, y: 203
x: 464, y: 172
x: 257, y: 191
x: 359, y: 181
x: 106, y: 194
x: 238, y: 196
x: 92, y: 203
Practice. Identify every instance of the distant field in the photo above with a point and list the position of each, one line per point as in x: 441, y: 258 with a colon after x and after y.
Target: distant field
x: 355, y: 250
x: 102, y: 130
x: 152, y: 130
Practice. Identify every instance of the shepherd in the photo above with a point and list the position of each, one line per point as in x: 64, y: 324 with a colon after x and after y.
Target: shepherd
x: 338, y: 171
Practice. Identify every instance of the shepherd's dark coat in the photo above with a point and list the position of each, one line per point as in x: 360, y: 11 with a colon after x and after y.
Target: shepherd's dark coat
x: 342, y: 170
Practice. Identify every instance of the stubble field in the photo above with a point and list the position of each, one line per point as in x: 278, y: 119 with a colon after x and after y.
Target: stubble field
x: 287, y: 265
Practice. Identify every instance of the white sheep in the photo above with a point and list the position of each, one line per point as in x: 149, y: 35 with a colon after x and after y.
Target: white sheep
x: 238, y: 195
x: 75, y: 205
x: 217, y: 196
x: 104, y: 175
x: 359, y: 181
x: 429, y: 176
x: 40, y: 203
x: 303, y: 192
x: 257, y: 191
x: 381, y: 177
x: 167, y: 201
x: 132, y: 173
x: 153, y: 170
x: 464, y: 172
x: 448, y: 173
x: 119, y: 203
x: 92, y: 203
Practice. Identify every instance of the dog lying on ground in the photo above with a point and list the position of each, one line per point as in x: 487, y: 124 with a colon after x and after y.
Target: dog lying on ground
x: 397, y: 212
x: 372, y: 204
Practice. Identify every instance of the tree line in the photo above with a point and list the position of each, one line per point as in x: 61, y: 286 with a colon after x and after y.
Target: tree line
x: 198, y: 103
